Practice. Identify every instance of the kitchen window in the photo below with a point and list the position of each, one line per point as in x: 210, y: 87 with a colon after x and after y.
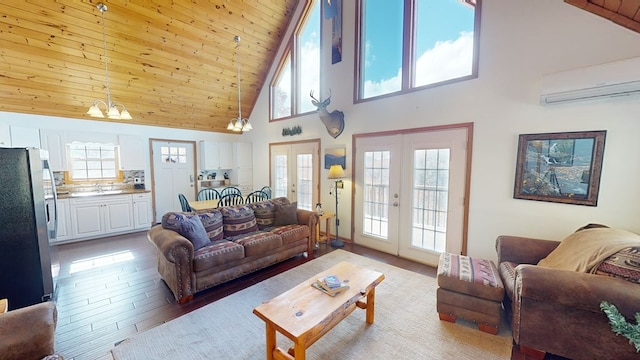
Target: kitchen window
x: 93, y: 162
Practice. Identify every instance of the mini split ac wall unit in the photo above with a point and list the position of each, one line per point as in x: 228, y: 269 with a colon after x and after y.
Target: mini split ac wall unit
x: 618, y: 78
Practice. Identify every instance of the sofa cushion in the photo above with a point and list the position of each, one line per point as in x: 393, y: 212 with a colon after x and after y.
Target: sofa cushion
x: 265, y: 211
x: 192, y: 228
x: 623, y: 264
x: 212, y: 221
x: 217, y: 253
x: 292, y: 233
x: 286, y: 214
x: 238, y: 220
x: 584, y: 250
x: 258, y: 242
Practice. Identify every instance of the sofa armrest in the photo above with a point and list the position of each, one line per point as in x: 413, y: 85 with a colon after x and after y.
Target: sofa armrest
x: 28, y: 332
x: 175, y: 261
x: 309, y: 218
x: 522, y: 250
x: 558, y: 311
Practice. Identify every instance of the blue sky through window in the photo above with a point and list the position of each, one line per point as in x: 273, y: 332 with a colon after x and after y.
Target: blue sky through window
x: 443, y: 44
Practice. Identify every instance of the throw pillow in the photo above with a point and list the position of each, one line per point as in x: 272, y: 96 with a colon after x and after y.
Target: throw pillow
x: 212, y: 222
x: 238, y: 220
x: 584, y: 250
x: 286, y: 214
x: 192, y: 229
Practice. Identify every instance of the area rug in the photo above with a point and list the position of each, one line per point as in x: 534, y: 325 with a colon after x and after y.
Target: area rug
x: 406, y: 324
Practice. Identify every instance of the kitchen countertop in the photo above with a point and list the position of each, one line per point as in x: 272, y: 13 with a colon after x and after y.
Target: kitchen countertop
x: 84, y: 194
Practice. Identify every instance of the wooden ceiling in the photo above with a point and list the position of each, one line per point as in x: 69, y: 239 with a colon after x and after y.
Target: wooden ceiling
x: 622, y: 12
x: 171, y: 63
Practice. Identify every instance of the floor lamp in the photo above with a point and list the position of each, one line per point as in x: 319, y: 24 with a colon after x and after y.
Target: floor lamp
x: 336, y: 173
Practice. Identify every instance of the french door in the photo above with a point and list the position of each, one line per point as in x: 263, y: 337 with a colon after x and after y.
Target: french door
x: 172, y: 171
x: 295, y: 172
x: 409, y: 197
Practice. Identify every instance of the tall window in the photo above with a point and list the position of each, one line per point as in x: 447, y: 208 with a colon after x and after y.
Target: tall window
x: 299, y: 70
x: 92, y: 161
x: 415, y: 44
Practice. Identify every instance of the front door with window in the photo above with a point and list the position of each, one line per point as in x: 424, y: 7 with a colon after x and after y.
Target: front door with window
x: 173, y: 173
x: 409, y: 197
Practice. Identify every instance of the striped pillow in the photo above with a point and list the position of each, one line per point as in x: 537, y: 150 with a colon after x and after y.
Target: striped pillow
x: 265, y: 211
x: 238, y: 220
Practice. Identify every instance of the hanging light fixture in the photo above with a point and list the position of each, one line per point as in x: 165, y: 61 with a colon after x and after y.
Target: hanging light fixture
x: 111, y: 108
x: 239, y: 124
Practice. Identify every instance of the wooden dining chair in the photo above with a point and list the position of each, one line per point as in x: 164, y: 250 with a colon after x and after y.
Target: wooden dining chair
x: 184, y: 203
x: 230, y: 190
x: 230, y: 199
x: 208, y: 194
x: 267, y: 191
x: 256, y: 196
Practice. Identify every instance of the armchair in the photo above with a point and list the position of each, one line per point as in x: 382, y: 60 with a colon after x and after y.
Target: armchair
x: 28, y: 333
x: 557, y: 311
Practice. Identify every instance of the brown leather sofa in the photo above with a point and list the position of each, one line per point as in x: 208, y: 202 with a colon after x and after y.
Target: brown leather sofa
x: 558, y: 311
x: 187, y: 269
x: 28, y: 333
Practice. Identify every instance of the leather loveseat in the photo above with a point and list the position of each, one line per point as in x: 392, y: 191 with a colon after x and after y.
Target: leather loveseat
x: 239, y: 239
x: 558, y: 310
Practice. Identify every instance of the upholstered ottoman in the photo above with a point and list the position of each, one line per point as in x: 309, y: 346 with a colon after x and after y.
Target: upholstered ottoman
x: 470, y: 289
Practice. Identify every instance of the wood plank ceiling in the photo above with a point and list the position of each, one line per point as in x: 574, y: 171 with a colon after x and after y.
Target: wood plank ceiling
x: 625, y: 13
x: 171, y: 63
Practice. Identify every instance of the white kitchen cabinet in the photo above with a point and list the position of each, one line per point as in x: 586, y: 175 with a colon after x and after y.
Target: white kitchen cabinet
x: 24, y: 137
x: 101, y: 215
x: 133, y: 154
x: 141, y: 210
x: 64, y: 221
x: 5, y: 136
x: 216, y: 155
x: 55, y: 142
x: 242, y: 174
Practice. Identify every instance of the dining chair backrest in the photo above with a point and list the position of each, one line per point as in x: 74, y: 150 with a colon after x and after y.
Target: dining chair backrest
x: 230, y: 190
x: 256, y: 196
x: 230, y: 199
x: 267, y: 190
x: 208, y: 194
x: 184, y: 203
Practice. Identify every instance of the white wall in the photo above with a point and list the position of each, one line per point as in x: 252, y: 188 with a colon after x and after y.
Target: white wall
x: 520, y: 41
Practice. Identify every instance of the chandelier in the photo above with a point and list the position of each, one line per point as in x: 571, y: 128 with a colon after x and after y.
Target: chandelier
x: 111, y: 107
x: 239, y: 123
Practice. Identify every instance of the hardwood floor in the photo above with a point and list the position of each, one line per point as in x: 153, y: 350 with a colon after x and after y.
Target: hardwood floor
x: 109, y: 289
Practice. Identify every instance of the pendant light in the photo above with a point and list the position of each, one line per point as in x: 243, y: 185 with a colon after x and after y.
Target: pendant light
x: 111, y: 107
x: 239, y: 123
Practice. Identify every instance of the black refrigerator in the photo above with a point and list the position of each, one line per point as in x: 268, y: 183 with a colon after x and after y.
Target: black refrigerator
x: 28, y: 221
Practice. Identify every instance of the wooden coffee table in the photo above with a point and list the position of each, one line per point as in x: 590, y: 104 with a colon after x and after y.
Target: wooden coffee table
x: 304, y: 314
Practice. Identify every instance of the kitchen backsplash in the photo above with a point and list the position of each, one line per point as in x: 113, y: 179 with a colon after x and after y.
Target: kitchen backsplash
x: 132, y: 179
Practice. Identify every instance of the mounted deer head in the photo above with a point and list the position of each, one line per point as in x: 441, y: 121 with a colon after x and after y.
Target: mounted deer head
x: 333, y: 121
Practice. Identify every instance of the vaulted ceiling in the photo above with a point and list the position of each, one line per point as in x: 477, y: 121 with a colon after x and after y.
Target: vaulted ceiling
x: 171, y: 63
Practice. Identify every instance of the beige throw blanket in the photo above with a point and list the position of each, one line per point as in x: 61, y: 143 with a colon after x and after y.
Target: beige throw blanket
x: 584, y: 250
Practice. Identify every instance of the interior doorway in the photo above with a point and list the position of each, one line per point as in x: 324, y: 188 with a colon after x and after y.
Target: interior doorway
x: 411, y: 191
x: 173, y: 168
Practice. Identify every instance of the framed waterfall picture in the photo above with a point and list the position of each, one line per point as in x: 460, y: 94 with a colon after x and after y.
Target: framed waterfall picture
x: 560, y: 167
